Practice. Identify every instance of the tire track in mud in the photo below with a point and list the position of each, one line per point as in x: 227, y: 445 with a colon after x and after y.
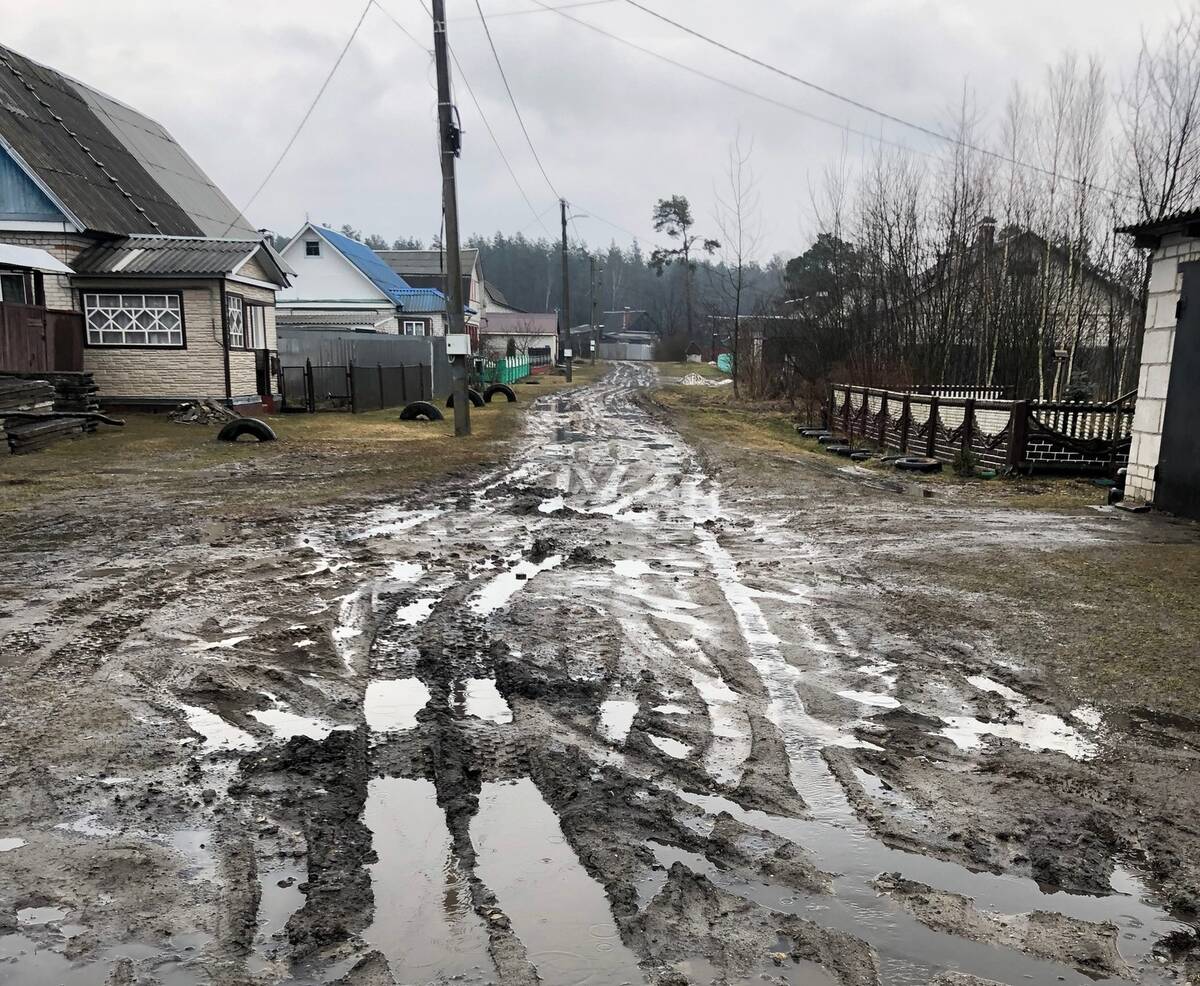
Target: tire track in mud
x: 599, y: 739
x: 598, y: 466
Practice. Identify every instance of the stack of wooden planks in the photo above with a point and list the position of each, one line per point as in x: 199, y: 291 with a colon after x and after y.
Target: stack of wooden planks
x: 28, y: 435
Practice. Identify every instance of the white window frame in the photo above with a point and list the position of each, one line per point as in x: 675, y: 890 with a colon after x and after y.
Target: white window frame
x: 256, y: 326
x: 24, y: 281
x: 416, y: 325
x: 107, y: 316
x: 235, y: 321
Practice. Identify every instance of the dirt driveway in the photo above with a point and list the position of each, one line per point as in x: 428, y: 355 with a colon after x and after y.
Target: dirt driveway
x: 635, y: 706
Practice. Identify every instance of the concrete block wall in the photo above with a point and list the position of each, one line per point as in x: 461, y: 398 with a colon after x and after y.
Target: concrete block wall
x: 1166, y: 287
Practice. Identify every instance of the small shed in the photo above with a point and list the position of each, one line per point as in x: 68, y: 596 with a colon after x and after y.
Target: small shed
x: 1164, y: 459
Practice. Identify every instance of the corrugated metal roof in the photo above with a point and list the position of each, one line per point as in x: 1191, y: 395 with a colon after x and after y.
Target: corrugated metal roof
x: 170, y: 165
x: 366, y: 260
x: 115, y: 170
x: 427, y: 262
x: 297, y: 317
x: 164, y: 255
x: 422, y: 300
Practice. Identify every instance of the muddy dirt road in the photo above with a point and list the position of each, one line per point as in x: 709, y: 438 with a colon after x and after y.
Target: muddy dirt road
x: 588, y: 718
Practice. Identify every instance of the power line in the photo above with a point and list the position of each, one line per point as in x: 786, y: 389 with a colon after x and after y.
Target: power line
x: 491, y: 133
x: 407, y: 33
x: 729, y: 85
x: 882, y: 114
x: 535, y: 10
x: 307, y: 113
x: 512, y: 98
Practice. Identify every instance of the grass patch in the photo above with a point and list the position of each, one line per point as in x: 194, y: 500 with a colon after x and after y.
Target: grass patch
x: 673, y: 371
x: 713, y: 415
x: 319, y: 458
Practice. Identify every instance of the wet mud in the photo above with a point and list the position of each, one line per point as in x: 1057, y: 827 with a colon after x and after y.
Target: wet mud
x: 604, y: 714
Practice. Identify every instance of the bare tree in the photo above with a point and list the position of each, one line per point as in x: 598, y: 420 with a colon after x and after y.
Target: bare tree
x: 738, y: 220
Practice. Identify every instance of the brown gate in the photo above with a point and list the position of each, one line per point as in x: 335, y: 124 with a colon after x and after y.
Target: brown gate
x: 33, y: 339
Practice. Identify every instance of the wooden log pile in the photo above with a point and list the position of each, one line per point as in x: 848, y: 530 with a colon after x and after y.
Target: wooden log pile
x: 202, y: 412
x: 29, y: 435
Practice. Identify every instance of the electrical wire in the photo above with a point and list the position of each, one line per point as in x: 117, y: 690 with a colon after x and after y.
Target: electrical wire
x: 867, y: 108
x: 512, y: 99
x: 535, y: 10
x: 488, y: 126
x: 846, y: 128
x: 307, y: 113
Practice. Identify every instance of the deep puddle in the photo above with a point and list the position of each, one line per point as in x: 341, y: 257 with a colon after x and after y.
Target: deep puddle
x: 424, y: 921
x: 391, y: 705
x: 559, y: 912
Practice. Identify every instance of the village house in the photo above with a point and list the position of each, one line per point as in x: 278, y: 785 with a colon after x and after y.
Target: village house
x: 427, y: 269
x: 120, y: 257
x: 1164, y: 458
x: 532, y: 334
x: 343, y: 284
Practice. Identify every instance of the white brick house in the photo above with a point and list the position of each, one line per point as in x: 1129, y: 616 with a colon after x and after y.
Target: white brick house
x: 1165, y: 450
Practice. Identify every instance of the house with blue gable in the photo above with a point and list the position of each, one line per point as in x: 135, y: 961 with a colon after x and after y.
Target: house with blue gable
x: 343, y: 284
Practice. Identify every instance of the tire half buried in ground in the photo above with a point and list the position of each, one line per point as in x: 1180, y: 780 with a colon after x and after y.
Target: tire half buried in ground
x: 257, y: 429
x: 918, y: 463
x: 474, y: 396
x: 499, y: 388
x: 421, y: 409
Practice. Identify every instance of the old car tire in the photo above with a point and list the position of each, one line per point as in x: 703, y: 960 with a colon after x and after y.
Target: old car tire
x: 474, y: 396
x: 421, y: 409
x: 838, y: 448
x: 499, y: 388
x: 258, y: 430
x: 918, y: 463
x: 860, y: 456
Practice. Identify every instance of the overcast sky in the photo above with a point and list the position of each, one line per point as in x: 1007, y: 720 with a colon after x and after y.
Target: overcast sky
x: 615, y: 128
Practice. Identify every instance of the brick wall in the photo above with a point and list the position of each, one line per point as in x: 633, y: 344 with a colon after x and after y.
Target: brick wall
x: 149, y: 374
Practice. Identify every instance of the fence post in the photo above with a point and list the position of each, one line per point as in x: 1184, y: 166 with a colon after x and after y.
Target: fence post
x: 905, y: 422
x: 310, y: 397
x: 1018, y: 433
x: 846, y: 412
x: 404, y: 383
x: 931, y: 437
x: 350, y: 387
x: 421, y: 374
x: 883, y: 416
x: 968, y: 426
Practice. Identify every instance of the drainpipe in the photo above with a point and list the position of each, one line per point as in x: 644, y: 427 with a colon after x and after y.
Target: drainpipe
x: 225, y: 344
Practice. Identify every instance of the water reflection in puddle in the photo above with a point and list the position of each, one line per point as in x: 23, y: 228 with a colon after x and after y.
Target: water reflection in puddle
x: 616, y: 719
x: 218, y: 734
x: 285, y: 724
x: 502, y: 588
x: 8, y: 845
x: 480, y: 698
x: 559, y: 912
x: 424, y: 921
x: 391, y: 705
x: 671, y: 747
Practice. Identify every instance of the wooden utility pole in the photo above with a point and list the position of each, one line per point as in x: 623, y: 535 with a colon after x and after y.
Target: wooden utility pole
x: 449, y: 140
x: 595, y: 328
x: 565, y: 330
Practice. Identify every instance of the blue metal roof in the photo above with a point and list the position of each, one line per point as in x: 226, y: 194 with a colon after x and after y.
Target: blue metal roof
x: 372, y: 267
x: 423, y: 300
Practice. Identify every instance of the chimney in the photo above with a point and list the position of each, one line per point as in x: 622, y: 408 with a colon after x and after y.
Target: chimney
x: 987, y: 232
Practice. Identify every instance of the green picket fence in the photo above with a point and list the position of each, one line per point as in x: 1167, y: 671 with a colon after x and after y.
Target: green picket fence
x: 510, y: 369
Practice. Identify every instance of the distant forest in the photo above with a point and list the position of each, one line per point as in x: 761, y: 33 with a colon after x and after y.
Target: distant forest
x: 529, y: 274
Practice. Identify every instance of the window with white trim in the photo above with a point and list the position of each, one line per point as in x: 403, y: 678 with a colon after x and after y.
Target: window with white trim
x: 412, y: 328
x: 133, y: 319
x: 235, y: 320
x: 256, y: 327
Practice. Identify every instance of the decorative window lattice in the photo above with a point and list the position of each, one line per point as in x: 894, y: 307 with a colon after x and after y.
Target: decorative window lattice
x: 133, y: 319
x: 235, y: 311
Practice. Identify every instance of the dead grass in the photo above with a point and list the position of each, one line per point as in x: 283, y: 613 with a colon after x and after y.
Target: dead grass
x: 319, y: 458
x: 677, y: 370
x: 716, y: 416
